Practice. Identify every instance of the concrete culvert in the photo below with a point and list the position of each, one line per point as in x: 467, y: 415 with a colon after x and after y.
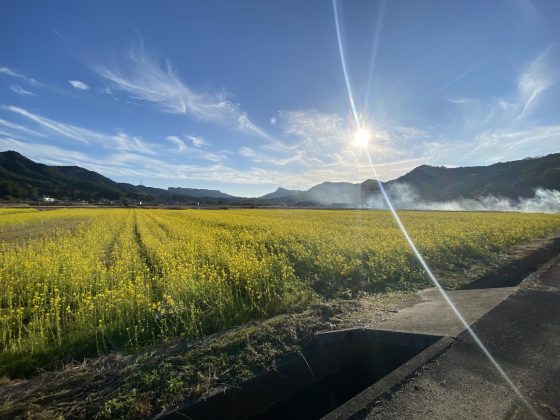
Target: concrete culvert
x: 335, y: 368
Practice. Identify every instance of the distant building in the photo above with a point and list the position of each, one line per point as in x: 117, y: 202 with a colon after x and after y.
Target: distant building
x: 47, y: 199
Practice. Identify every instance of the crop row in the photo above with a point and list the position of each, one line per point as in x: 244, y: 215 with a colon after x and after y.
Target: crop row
x: 125, y: 278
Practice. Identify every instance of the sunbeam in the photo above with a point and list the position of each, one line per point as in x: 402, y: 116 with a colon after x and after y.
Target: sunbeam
x: 437, y: 284
x: 378, y: 26
x: 343, y: 62
x: 360, y: 134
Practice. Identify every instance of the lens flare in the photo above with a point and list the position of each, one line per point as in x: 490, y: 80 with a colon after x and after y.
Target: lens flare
x: 361, y: 135
x: 343, y: 62
x: 378, y: 27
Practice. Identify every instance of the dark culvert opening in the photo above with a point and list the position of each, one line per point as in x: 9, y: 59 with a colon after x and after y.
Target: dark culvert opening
x: 353, y: 375
x: 336, y: 367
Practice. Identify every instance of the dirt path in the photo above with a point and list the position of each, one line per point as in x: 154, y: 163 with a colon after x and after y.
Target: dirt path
x: 14, y: 235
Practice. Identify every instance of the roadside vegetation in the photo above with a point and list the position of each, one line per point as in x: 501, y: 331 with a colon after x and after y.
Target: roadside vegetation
x: 123, y: 279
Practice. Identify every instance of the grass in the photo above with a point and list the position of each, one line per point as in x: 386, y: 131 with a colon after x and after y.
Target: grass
x: 141, y: 384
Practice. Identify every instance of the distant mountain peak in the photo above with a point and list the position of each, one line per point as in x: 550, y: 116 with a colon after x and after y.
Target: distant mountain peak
x: 15, y: 155
x: 280, y: 192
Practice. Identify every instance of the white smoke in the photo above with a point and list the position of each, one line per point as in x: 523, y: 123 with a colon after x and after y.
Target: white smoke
x: 404, y: 197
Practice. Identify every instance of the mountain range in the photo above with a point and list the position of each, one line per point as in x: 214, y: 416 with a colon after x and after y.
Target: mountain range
x: 24, y: 179
x: 199, y: 193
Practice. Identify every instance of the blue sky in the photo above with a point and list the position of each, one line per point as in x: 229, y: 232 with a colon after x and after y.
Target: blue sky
x: 246, y: 96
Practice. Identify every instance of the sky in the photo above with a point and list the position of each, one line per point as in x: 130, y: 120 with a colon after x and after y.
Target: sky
x: 247, y: 96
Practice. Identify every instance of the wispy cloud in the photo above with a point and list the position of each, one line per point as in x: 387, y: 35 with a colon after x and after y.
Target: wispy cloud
x: 318, y: 147
x: 129, y: 165
x: 538, y: 77
x: 65, y: 130
x: 497, y: 128
x: 118, y: 140
x: 177, y: 142
x: 327, y: 135
x: 309, y: 146
x: 510, y: 144
x: 512, y: 111
x: 9, y: 72
x: 156, y: 168
x: 197, y: 141
x: 245, y: 125
x: 122, y: 165
x: 20, y: 128
x: 144, y: 78
x: 60, y: 35
x: 76, y: 84
x: 194, y: 147
x: 312, y: 124
x: 460, y: 76
x: 297, y: 165
x: 21, y: 91
x: 50, y: 154
x: 260, y: 157
x: 6, y: 70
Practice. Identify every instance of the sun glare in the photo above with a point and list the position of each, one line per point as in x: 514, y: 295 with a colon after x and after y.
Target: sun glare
x: 362, y: 137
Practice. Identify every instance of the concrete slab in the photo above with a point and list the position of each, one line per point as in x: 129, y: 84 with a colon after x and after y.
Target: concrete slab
x: 434, y: 316
x: 522, y: 334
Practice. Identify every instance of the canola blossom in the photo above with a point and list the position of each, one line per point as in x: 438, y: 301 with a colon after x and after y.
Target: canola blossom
x: 124, y: 278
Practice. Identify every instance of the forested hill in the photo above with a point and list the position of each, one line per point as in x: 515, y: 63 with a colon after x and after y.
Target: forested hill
x: 21, y: 178
x: 513, y: 179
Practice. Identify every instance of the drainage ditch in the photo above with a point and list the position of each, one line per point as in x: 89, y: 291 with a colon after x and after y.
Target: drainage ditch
x: 336, y: 367
x: 515, y: 272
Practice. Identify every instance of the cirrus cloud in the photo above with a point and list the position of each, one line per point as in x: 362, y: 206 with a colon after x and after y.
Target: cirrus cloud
x: 143, y: 78
x: 21, y: 91
x: 76, y: 84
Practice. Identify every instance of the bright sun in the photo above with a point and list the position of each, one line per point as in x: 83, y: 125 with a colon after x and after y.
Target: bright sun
x: 362, y: 137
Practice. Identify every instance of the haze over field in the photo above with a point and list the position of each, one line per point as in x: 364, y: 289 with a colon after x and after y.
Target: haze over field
x: 404, y: 197
x: 529, y: 185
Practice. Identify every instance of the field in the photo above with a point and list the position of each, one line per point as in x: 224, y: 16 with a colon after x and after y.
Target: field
x: 79, y: 282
